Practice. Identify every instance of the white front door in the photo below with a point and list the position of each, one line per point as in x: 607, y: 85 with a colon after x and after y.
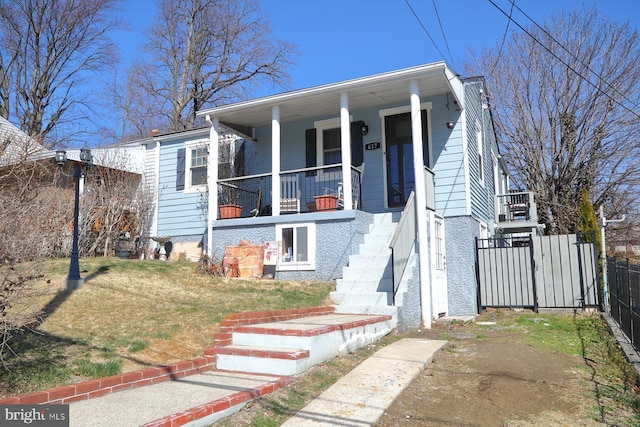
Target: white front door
x: 439, y: 291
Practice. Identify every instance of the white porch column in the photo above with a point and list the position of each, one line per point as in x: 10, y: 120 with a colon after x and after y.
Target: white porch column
x: 212, y: 180
x: 345, y: 147
x: 421, y: 205
x: 275, y: 160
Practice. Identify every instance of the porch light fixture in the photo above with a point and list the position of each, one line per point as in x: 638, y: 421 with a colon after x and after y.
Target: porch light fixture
x: 74, y: 280
x: 450, y: 125
x: 364, y: 129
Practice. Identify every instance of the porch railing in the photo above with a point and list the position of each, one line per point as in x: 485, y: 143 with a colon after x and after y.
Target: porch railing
x: 516, y: 206
x: 402, y: 242
x: 253, y: 192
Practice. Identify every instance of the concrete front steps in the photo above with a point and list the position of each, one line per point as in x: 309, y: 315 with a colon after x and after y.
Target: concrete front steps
x: 288, y: 342
x: 366, y: 285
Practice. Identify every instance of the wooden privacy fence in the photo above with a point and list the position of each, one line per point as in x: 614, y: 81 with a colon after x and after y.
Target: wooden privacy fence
x: 558, y: 271
x: 624, y: 285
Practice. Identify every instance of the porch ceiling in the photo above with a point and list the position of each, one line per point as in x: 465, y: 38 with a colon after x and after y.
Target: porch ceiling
x: 366, y: 92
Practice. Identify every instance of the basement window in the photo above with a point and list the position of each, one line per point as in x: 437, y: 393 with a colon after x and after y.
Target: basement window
x: 297, y: 244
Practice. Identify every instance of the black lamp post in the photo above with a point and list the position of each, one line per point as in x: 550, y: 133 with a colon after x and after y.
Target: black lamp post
x: 74, y: 281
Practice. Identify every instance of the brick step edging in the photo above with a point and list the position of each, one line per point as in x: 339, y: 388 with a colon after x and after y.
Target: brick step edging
x: 232, y: 321
x: 107, y: 385
x: 218, y: 405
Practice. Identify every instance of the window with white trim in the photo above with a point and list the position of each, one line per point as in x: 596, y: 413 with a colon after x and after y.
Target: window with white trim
x: 439, y: 244
x: 329, y: 138
x: 196, y: 159
x: 297, y: 244
x: 198, y: 167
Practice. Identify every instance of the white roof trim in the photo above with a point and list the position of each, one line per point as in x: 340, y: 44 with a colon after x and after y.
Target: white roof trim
x: 344, y: 86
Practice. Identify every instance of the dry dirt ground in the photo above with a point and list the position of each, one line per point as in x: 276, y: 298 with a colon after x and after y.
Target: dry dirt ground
x: 494, y: 379
x: 487, y: 375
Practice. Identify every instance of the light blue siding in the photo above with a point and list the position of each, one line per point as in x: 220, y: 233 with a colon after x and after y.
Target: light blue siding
x: 448, y: 157
x: 482, y: 200
x: 179, y: 213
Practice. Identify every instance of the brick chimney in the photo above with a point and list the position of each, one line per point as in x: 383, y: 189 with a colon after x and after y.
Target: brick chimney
x: 152, y: 133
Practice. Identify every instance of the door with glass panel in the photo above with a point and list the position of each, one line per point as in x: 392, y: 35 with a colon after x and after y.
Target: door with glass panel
x: 399, y: 157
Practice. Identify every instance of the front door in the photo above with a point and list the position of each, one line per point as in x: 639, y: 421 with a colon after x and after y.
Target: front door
x: 399, y: 155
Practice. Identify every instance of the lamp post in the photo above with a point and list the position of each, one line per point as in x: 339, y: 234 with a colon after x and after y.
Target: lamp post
x: 74, y: 281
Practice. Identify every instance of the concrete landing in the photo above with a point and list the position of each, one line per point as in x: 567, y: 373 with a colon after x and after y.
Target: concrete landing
x: 195, y: 400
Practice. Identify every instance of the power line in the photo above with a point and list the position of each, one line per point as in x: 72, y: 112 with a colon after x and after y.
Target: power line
x: 442, y: 31
x: 504, y: 37
x: 424, y: 28
x: 576, y: 58
x: 612, y: 99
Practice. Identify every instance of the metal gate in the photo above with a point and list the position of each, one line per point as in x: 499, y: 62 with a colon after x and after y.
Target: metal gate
x: 538, y: 272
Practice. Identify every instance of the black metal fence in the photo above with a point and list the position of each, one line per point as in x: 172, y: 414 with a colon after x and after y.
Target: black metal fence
x: 559, y: 271
x: 624, y: 286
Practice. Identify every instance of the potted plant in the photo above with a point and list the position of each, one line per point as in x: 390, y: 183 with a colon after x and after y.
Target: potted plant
x: 229, y: 197
x: 326, y: 202
x: 230, y: 211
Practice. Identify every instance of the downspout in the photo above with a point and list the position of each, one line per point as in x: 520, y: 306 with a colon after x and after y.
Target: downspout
x: 345, y: 147
x: 212, y: 181
x: 421, y: 205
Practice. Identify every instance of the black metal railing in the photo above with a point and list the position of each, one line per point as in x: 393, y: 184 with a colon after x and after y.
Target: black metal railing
x: 298, y: 191
x: 624, y: 297
x: 516, y: 206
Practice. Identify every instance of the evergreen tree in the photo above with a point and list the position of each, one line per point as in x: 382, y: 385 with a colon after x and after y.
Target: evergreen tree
x: 587, y: 221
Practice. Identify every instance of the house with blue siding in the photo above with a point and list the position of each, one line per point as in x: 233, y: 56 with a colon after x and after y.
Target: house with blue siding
x: 380, y: 183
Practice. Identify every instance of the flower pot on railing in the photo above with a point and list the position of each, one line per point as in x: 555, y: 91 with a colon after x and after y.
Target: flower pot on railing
x: 328, y: 202
x: 230, y: 211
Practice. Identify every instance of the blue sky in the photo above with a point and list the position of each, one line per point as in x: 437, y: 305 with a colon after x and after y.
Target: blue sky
x: 343, y: 39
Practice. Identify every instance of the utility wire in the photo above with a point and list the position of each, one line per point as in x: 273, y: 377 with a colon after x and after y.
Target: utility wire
x: 577, y: 58
x: 424, y: 28
x: 443, y: 35
x: 613, y: 99
x: 504, y: 37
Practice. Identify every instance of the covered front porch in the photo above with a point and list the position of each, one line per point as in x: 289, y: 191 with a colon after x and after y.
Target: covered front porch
x: 306, y: 190
x: 312, y: 144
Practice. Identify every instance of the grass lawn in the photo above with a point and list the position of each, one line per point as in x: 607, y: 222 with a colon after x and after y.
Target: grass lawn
x: 131, y: 314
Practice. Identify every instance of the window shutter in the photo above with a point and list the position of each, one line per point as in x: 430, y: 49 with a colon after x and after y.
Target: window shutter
x: 239, y: 161
x: 357, y: 154
x: 180, y: 169
x: 310, y: 150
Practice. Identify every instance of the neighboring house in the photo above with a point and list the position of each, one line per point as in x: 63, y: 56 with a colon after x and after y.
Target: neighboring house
x: 371, y: 142
x: 17, y: 146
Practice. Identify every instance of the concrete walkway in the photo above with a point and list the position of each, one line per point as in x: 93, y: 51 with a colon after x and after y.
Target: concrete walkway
x: 361, y: 397
x: 358, y: 399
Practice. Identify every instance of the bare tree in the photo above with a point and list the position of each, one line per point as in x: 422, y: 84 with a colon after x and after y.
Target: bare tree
x: 31, y: 225
x: 48, y: 49
x: 116, y: 206
x: 566, y: 96
x: 207, y: 52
